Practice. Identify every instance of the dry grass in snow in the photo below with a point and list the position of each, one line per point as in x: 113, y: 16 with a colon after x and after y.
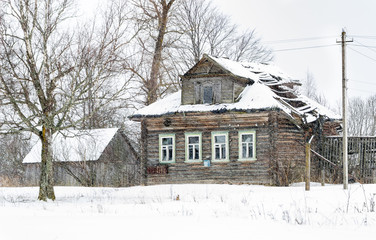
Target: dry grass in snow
x: 190, y: 212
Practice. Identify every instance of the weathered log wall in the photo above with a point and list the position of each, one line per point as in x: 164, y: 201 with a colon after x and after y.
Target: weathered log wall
x: 226, y: 89
x: 277, y: 151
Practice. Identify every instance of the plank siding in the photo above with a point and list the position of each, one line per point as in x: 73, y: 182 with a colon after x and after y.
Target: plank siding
x: 226, y: 89
x: 273, y: 132
x: 118, y: 166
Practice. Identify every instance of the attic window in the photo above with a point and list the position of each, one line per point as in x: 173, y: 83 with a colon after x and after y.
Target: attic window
x: 207, y: 92
x: 208, y: 95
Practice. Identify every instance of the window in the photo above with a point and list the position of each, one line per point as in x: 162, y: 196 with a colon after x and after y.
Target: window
x: 207, y: 92
x: 220, y: 147
x: 193, y: 147
x: 247, y: 145
x: 166, y: 148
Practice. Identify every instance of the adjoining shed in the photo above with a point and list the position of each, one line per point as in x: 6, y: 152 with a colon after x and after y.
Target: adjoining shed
x: 232, y: 122
x: 97, y: 157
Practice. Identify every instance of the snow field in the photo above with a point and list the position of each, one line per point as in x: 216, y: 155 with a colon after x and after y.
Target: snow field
x: 190, y: 211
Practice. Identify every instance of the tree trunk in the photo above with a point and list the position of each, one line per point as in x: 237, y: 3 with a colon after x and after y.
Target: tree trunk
x: 153, y: 82
x: 152, y: 85
x: 46, y: 189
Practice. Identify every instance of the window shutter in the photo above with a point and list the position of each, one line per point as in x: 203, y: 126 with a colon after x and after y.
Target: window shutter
x: 217, y: 93
x: 197, y: 93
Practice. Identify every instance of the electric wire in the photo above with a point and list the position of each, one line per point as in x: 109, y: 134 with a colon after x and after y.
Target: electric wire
x: 297, y: 40
x: 363, y: 82
x: 362, y: 45
x: 365, y: 37
x: 362, y: 90
x: 302, y: 48
x: 359, y: 45
x: 373, y: 59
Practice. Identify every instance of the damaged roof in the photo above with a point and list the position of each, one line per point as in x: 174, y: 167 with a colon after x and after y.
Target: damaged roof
x: 268, y: 88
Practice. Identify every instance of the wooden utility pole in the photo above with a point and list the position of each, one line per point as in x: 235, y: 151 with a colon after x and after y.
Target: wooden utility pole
x: 344, y: 110
x: 308, y: 165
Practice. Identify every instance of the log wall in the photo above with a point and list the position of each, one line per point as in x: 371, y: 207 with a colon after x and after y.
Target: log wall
x: 276, y: 148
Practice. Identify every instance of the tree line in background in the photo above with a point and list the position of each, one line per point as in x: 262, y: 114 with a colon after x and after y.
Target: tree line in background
x: 58, y: 72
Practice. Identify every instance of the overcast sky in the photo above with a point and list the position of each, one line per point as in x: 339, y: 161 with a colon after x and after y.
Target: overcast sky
x: 276, y: 20
x: 321, y: 21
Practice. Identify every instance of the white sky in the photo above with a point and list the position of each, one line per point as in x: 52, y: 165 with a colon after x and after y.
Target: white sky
x: 296, y: 19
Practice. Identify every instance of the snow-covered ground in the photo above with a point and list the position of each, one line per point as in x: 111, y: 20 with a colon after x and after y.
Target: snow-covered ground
x: 190, y: 212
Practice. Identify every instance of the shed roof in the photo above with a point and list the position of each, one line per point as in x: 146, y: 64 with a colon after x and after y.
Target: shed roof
x: 270, y: 88
x: 75, y: 145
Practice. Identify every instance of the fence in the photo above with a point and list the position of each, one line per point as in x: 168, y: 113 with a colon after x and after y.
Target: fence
x: 361, y: 159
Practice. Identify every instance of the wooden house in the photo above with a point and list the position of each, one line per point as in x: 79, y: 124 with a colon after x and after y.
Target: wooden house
x: 97, y: 157
x: 232, y: 122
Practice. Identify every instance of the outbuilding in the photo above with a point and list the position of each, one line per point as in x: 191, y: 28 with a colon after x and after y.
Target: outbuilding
x: 96, y: 157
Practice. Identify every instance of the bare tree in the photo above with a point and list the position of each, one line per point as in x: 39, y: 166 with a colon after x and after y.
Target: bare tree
x: 13, y: 148
x: 206, y: 30
x: 45, y: 73
x: 154, y: 18
x: 362, y: 116
x: 309, y: 89
x: 175, y: 34
x: 357, y: 117
x: 104, y: 47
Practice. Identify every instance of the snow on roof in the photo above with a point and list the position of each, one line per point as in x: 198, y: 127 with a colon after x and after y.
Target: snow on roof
x: 255, y: 71
x: 269, y: 91
x: 235, y: 68
x: 256, y: 96
x: 75, y: 145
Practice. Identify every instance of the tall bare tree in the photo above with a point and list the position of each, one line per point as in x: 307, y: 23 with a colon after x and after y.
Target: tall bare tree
x: 175, y: 34
x: 47, y: 70
x: 153, y: 17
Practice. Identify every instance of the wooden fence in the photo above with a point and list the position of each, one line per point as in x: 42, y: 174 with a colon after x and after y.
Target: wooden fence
x: 361, y: 159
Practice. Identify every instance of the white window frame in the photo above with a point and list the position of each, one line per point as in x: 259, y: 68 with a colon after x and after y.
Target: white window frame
x: 246, y: 132
x: 161, y: 137
x: 226, y: 159
x: 187, y: 136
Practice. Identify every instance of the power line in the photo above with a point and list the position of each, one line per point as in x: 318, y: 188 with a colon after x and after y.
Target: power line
x: 361, y: 90
x: 363, y: 54
x: 366, y: 37
x: 361, y: 45
x: 364, y: 82
x: 297, y: 40
x: 302, y: 48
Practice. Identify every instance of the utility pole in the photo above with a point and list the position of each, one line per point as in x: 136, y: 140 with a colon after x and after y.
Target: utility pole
x: 308, y: 164
x: 344, y: 111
